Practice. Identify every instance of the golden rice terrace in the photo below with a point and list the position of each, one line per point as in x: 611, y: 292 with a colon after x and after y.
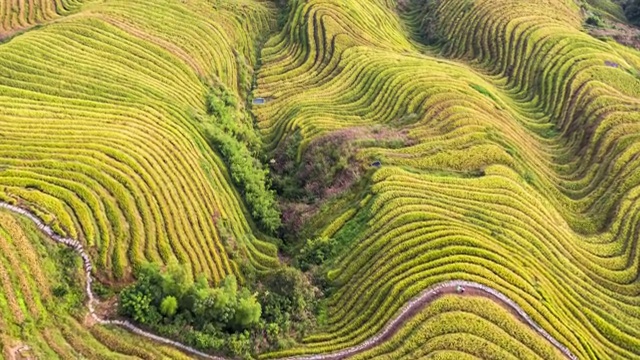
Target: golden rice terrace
x: 319, y: 179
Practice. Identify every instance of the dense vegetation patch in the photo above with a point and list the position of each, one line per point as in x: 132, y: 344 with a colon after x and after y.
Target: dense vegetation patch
x: 230, y: 131
x: 326, y: 173
x: 231, y: 319
x: 327, y: 167
x: 632, y: 11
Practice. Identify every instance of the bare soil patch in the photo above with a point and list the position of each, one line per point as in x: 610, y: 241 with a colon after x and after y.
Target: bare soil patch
x: 107, y: 309
x: 622, y: 33
x: 20, y: 352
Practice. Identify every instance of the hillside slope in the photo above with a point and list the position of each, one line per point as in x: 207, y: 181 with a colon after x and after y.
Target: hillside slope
x: 493, y: 142
x: 519, y: 173
x: 99, y: 115
x: 35, y: 321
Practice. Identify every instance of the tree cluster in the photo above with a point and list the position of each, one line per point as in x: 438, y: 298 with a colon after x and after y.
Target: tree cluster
x: 214, y: 317
x: 227, y: 319
x: 325, y: 163
x: 632, y: 11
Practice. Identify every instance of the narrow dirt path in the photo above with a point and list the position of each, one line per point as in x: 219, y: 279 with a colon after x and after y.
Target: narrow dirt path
x: 425, y: 298
x: 407, y: 312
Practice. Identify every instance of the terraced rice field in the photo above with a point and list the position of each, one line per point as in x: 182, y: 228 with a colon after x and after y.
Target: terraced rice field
x: 98, y: 134
x: 521, y: 176
x: 33, y: 321
x: 16, y: 15
x: 520, y: 172
x: 428, y: 297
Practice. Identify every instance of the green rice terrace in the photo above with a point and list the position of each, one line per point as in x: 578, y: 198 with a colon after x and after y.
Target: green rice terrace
x: 319, y: 179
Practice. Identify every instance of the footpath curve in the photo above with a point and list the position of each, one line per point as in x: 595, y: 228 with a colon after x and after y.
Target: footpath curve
x: 407, y: 311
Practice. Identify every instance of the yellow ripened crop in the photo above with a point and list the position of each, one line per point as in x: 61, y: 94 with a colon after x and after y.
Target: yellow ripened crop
x: 507, y: 138
x: 19, y: 15
x: 30, y: 314
x: 519, y: 168
x: 98, y: 117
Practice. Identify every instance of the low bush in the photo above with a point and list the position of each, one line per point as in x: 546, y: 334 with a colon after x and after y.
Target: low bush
x: 594, y: 20
x: 316, y: 251
x: 327, y: 167
x: 289, y: 300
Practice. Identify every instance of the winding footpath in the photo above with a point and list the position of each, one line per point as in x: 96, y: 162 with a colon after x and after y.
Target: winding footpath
x: 407, y: 311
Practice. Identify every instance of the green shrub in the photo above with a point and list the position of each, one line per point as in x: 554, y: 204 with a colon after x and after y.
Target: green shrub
x: 594, y: 20
x: 291, y: 284
x: 239, y: 345
x: 101, y: 291
x: 136, y: 305
x: 248, y: 311
x: 231, y: 133
x: 60, y: 290
x: 169, y: 306
x: 289, y: 300
x: 316, y: 251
